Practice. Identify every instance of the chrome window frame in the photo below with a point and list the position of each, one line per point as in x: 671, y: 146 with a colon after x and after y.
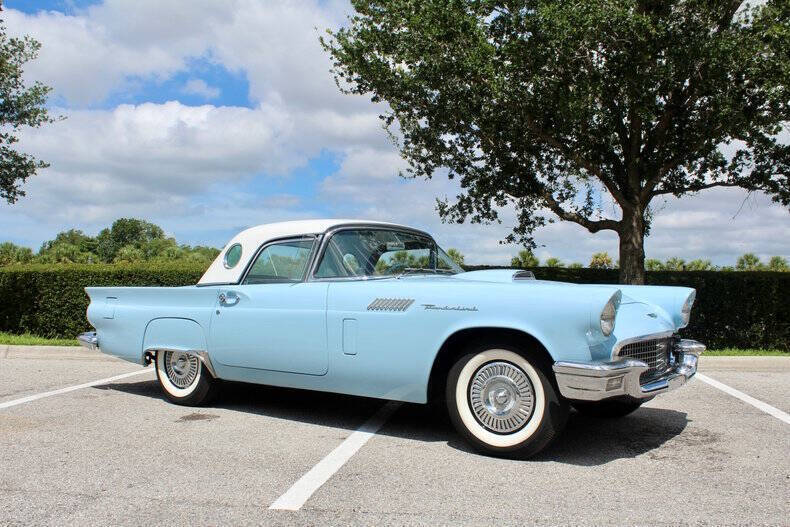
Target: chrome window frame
x: 279, y: 241
x: 327, y: 237
x: 227, y: 252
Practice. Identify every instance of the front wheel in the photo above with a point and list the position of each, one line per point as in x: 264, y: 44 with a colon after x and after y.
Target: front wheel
x: 183, y: 378
x: 503, y: 403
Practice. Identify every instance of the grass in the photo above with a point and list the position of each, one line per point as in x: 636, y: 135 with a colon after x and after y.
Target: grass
x: 736, y: 352
x: 33, y: 340
x: 26, y: 339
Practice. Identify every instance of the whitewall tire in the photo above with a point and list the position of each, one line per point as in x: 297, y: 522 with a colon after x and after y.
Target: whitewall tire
x: 183, y: 378
x: 502, y: 402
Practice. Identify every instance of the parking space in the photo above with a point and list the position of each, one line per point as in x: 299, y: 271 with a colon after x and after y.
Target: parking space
x: 120, y: 453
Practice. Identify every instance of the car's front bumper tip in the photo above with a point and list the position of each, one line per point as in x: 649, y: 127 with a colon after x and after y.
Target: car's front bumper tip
x: 89, y: 340
x: 595, y: 381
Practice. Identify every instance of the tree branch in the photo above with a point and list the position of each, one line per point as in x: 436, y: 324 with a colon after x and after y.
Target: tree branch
x: 610, y: 185
x: 591, y: 225
x: 695, y: 188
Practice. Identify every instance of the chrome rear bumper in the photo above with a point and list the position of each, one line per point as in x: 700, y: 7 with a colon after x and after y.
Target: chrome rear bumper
x: 89, y: 340
x: 594, y: 381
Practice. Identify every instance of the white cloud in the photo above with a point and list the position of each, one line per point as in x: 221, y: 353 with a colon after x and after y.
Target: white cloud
x: 200, y: 88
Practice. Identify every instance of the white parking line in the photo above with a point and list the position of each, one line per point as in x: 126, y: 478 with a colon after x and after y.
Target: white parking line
x: 300, y: 492
x: 765, y: 407
x: 38, y: 396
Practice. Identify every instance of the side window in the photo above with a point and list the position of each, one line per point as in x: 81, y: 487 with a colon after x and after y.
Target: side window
x: 281, y: 262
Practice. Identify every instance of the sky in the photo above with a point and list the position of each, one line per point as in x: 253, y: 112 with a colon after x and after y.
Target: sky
x: 208, y: 117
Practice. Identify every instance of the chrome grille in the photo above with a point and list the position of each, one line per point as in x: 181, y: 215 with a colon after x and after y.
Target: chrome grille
x: 654, y: 352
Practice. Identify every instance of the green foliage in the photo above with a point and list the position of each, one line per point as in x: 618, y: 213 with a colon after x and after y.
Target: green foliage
x: 742, y: 310
x: 557, y: 105
x: 50, y: 300
x: 456, y: 256
x: 675, y: 264
x: 601, y: 261
x: 699, y: 265
x: 128, y: 240
x: 576, y: 265
x: 127, y: 234
x: 27, y: 339
x: 554, y: 262
x: 21, y: 105
x: 749, y: 262
x: 778, y: 264
x: 524, y: 260
x: 14, y: 254
x: 745, y: 352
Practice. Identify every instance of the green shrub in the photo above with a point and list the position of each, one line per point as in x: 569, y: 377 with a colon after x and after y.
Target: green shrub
x: 743, y: 310
x: 50, y: 300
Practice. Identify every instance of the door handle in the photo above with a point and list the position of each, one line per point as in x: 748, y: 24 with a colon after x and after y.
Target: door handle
x: 228, y: 299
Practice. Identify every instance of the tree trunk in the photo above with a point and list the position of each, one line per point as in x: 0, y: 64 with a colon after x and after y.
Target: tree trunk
x: 632, y: 249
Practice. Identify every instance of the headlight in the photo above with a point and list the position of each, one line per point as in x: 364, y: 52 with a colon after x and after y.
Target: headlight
x: 685, y: 311
x: 609, y: 313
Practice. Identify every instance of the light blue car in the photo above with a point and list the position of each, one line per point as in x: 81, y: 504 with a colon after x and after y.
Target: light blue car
x: 379, y: 310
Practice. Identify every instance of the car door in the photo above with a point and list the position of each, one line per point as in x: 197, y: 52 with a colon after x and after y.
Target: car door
x: 273, y: 320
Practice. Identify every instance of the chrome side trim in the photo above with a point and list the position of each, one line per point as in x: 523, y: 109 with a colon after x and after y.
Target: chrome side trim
x: 149, y: 356
x: 599, y: 380
x: 89, y: 340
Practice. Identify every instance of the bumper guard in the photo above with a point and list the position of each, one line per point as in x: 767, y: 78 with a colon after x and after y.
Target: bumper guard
x: 89, y: 340
x: 595, y: 381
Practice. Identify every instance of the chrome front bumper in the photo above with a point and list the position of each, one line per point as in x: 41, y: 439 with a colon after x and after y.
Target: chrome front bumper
x: 89, y: 340
x: 594, y: 381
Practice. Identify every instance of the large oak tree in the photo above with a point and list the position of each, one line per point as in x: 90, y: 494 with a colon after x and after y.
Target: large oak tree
x: 563, y: 105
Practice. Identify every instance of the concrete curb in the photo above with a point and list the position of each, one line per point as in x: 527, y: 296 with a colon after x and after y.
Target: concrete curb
x: 8, y: 351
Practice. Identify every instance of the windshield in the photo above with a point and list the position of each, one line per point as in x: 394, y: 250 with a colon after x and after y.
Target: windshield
x: 380, y: 252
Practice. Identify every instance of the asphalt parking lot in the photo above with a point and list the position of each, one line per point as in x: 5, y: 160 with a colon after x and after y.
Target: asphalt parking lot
x: 118, y: 453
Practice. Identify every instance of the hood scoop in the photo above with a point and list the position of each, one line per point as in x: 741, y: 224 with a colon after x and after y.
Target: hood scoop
x: 497, y: 275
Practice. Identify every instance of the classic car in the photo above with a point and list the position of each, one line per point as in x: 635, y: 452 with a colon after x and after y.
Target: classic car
x: 379, y: 310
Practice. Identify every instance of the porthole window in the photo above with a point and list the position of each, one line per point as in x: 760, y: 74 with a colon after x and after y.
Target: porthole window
x: 232, y: 256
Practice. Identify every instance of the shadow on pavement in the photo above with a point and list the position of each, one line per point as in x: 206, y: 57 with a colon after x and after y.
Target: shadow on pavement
x: 586, y: 441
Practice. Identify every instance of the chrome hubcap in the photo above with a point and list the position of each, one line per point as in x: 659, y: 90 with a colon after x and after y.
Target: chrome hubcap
x: 181, y: 368
x: 501, y: 397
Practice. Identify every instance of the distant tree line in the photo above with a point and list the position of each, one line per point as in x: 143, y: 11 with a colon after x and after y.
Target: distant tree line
x: 602, y: 260
x: 128, y: 240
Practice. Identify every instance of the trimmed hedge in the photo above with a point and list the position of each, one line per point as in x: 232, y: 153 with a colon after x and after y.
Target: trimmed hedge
x: 733, y: 309
x: 50, y: 300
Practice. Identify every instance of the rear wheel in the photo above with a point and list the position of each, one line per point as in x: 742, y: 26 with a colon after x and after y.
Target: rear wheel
x: 607, y: 409
x: 503, y: 403
x: 183, y: 378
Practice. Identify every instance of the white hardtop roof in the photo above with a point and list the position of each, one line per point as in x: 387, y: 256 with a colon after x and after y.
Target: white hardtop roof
x: 251, y: 239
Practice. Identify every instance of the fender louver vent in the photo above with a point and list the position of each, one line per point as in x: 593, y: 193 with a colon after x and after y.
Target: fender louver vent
x: 390, y: 304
